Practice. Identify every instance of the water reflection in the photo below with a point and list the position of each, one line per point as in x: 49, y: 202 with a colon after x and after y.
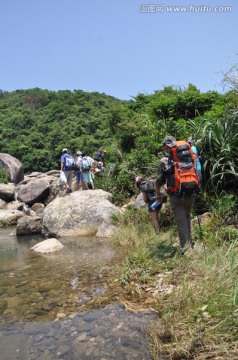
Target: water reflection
x: 38, y: 287
x: 65, y: 305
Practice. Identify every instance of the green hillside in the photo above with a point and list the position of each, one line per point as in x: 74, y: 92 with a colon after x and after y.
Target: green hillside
x: 36, y: 124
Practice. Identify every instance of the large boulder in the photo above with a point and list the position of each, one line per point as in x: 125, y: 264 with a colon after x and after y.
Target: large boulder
x: 50, y: 179
x: 13, y: 166
x: 79, y: 213
x: 34, y: 191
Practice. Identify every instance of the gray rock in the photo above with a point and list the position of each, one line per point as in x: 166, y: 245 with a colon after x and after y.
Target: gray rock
x: 35, y: 174
x: 79, y: 213
x: 34, y: 191
x: 10, y: 216
x: 29, y: 225
x: 7, y: 192
x: 14, y: 205
x: 2, y: 204
x: 106, y: 230
x: 38, y: 208
x: 13, y: 166
x: 48, y: 246
x: 203, y: 219
x: 139, y: 202
x: 54, y: 190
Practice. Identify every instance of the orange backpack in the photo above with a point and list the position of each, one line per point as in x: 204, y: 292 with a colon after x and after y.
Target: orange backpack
x: 181, y: 173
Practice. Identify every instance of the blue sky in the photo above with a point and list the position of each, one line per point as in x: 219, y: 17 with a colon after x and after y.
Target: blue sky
x: 117, y: 47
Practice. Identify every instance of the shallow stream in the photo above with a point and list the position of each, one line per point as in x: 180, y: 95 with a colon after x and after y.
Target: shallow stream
x: 68, y: 305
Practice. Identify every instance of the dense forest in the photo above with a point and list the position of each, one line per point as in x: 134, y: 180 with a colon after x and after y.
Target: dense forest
x: 37, y: 124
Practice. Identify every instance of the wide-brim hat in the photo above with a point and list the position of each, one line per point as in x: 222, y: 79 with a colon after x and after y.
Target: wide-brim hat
x: 65, y: 149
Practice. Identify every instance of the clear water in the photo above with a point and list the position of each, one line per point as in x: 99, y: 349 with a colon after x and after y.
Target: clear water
x: 66, y: 305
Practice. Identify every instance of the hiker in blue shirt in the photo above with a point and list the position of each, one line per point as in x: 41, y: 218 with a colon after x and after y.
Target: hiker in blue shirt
x: 67, y: 162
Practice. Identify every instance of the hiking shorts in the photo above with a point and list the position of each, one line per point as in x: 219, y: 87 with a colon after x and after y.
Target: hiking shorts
x: 79, y: 176
x: 69, y: 176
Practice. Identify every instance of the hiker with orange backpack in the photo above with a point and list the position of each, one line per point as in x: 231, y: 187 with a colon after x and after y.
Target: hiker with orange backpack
x: 182, y: 182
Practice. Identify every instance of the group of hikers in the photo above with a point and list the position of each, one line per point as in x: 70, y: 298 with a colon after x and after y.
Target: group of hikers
x: 178, y: 177
x: 83, y: 167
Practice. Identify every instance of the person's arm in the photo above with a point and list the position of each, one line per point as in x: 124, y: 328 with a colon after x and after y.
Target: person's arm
x: 160, y: 181
x: 145, y: 197
x: 62, y: 162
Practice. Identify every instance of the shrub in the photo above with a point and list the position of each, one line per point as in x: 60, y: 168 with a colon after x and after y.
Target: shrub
x: 3, y: 176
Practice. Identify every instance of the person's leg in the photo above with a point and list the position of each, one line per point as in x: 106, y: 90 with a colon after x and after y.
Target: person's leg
x: 92, y: 184
x: 86, y: 180
x: 82, y: 181
x: 84, y: 185
x: 69, y: 177
x: 155, y: 220
x: 92, y: 179
x: 77, y: 175
x: 188, y: 205
x: 178, y: 207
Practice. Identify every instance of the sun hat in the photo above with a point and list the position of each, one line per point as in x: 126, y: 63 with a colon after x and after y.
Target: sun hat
x: 65, y: 150
x: 79, y: 153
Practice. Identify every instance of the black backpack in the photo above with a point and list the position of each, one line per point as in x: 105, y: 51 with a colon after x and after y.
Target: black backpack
x: 148, y: 185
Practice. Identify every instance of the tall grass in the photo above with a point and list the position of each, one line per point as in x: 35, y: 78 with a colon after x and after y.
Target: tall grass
x: 199, y: 316
x: 202, y: 316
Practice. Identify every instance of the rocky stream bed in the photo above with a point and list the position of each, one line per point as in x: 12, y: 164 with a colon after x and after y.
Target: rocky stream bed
x: 68, y: 305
